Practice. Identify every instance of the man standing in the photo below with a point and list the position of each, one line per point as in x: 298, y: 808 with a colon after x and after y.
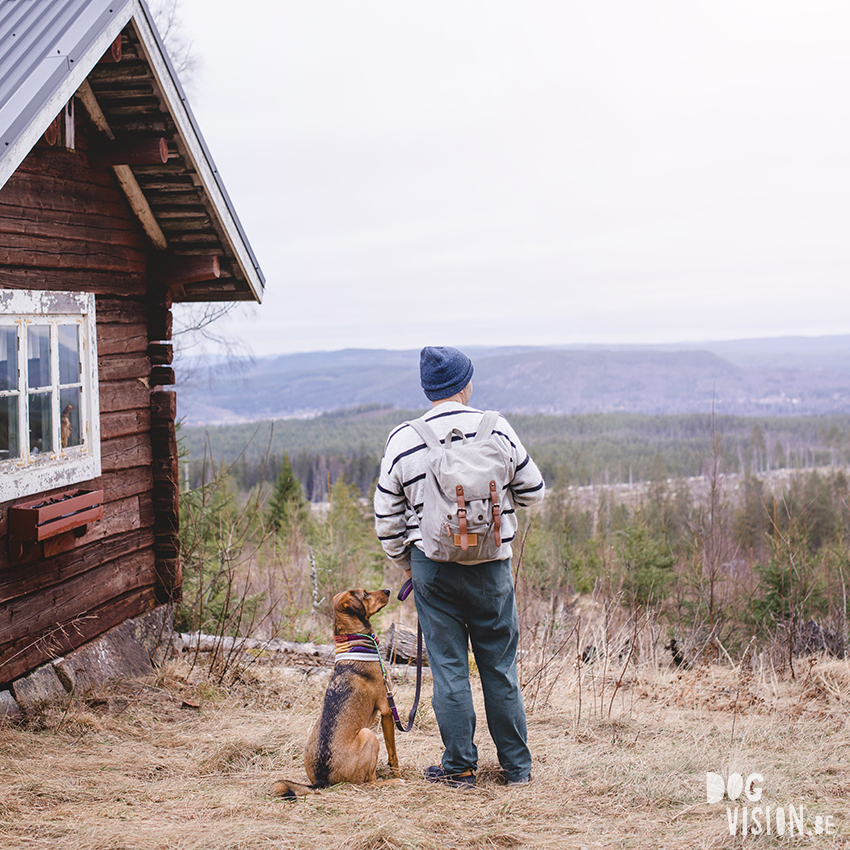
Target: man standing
x: 460, y: 603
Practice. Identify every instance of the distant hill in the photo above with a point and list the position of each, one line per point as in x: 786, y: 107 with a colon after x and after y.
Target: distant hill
x: 792, y: 375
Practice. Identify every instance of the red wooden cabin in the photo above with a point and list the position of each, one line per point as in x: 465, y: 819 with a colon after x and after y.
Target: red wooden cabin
x: 111, y: 209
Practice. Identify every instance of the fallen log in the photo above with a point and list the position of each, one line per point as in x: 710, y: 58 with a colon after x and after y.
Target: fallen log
x: 399, y: 646
x: 209, y: 643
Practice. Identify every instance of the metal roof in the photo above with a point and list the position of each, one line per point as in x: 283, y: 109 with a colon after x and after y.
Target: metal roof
x: 50, y: 48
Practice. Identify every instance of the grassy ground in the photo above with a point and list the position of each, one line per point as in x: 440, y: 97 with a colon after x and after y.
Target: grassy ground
x: 141, y: 767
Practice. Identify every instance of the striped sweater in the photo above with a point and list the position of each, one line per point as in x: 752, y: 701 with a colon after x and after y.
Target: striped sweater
x: 401, y: 485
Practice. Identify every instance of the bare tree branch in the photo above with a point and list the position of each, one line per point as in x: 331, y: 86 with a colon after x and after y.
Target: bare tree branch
x: 179, y: 46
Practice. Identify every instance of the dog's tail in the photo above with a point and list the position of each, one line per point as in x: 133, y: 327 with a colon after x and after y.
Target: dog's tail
x: 289, y: 790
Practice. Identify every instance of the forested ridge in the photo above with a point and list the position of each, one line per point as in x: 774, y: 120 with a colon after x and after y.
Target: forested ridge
x: 799, y: 376
x: 570, y: 450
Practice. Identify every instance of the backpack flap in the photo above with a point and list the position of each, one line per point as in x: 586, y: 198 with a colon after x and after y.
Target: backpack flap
x: 465, y: 482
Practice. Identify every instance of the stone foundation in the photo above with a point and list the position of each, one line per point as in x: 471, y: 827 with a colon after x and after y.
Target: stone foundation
x: 128, y: 651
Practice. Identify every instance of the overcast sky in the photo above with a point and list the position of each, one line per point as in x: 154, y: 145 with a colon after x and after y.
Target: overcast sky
x: 530, y: 172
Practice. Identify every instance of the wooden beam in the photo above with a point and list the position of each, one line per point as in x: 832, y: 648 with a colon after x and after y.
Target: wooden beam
x: 183, y: 270
x: 166, y: 491
x: 113, y: 55
x: 161, y: 353
x: 135, y: 196
x: 162, y: 376
x: 130, y: 152
x: 51, y: 134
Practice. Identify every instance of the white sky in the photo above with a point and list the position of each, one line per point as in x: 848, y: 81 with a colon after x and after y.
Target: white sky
x: 532, y: 172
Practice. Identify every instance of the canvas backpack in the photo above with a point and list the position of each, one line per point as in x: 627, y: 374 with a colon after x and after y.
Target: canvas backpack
x: 465, y: 492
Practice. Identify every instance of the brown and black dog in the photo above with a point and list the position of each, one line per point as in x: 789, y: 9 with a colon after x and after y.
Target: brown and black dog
x: 342, y: 746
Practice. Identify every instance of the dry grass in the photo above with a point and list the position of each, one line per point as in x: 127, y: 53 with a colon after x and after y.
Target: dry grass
x: 137, y: 769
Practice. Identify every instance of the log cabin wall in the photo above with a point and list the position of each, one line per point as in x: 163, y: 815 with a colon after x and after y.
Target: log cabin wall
x: 66, y: 225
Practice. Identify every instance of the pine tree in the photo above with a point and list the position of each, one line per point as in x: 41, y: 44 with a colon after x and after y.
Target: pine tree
x: 288, y: 505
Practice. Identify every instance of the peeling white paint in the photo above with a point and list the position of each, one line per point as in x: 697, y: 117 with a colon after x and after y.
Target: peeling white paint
x: 31, y: 302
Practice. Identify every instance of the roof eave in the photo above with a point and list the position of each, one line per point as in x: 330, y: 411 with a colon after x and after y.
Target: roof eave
x: 202, y: 161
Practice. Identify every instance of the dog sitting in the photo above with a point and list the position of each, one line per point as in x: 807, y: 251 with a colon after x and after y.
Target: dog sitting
x: 342, y: 746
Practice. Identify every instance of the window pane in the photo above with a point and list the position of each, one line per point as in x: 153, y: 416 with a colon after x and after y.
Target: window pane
x: 38, y: 355
x: 41, y: 423
x: 69, y: 354
x: 69, y: 424
x: 9, y: 442
x: 8, y: 358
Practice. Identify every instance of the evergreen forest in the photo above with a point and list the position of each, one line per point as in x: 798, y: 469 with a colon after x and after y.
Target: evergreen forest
x: 728, y: 532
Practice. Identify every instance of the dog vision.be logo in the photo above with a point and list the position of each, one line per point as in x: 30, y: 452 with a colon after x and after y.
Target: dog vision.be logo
x: 744, y: 819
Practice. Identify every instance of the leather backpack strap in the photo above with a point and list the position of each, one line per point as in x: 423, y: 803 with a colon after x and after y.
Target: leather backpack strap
x: 461, y: 517
x: 497, y: 514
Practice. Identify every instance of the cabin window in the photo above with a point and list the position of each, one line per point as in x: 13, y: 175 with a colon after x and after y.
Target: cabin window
x: 49, y: 405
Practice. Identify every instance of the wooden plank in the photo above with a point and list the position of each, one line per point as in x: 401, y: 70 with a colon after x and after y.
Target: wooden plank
x: 148, y: 124
x: 169, y: 586
x: 146, y: 510
x: 69, y: 253
x: 129, y: 482
x: 73, y: 280
x: 123, y: 366
x: 161, y: 354
x: 165, y: 469
x: 116, y: 103
x: 239, y: 292
x: 151, y: 184
x: 126, y: 452
x: 124, y: 516
x: 139, y: 203
x: 38, y: 195
x: 27, y: 653
x: 19, y: 580
x: 120, y: 311
x: 166, y: 495
x: 38, y: 612
x: 65, y: 167
x: 163, y: 406
x: 166, y: 544
x: 121, y: 339
x: 124, y: 422
x: 98, y: 233
x: 162, y: 376
x: 61, y: 211
x: 124, y: 395
x: 129, y: 71
x: 171, y: 168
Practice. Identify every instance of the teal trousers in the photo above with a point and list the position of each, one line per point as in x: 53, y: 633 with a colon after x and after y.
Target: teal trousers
x: 459, y: 604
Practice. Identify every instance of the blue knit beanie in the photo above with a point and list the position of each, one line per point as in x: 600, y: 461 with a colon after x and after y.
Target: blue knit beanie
x: 443, y: 371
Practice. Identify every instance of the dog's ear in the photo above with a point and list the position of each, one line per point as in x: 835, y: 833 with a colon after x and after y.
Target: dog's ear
x: 350, y: 602
x: 353, y: 603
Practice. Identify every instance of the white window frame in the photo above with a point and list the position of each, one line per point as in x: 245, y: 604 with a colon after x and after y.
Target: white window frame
x: 36, y: 473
